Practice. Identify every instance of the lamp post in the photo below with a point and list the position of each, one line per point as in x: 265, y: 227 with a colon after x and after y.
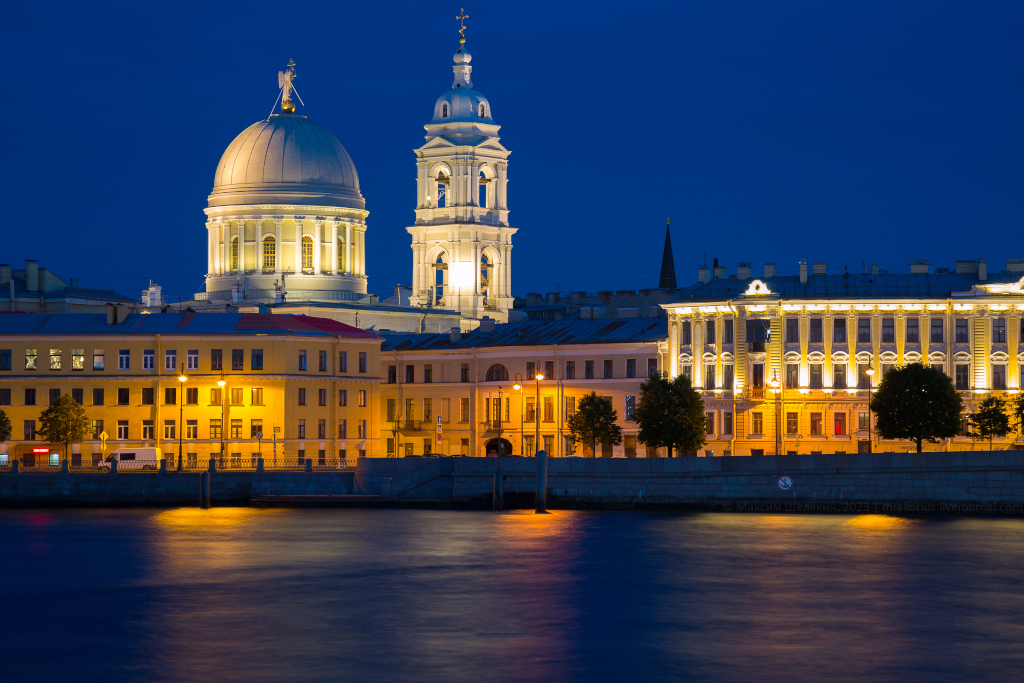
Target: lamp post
x: 181, y: 413
x: 499, y: 422
x: 870, y: 372
x: 518, y: 386
x: 221, y: 383
x: 536, y: 443
x: 776, y: 388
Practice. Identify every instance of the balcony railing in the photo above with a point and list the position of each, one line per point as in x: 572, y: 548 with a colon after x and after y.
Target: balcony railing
x: 757, y: 392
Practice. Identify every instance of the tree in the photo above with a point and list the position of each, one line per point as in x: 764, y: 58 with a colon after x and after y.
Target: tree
x: 917, y: 403
x: 594, y: 420
x: 64, y: 423
x: 1017, y: 409
x: 5, y: 427
x: 990, y: 421
x: 671, y: 414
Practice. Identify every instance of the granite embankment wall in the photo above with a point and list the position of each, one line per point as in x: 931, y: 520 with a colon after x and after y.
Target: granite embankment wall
x: 944, y: 481
x: 136, y: 489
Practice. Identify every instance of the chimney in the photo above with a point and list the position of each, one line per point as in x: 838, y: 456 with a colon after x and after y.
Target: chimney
x: 769, y: 270
x: 552, y: 297
x: 743, y: 270
x: 918, y: 267
x: 5, y: 273
x: 803, y: 271
x: 32, y: 276
x: 455, y: 334
x: 818, y: 268
x: 532, y: 298
x: 966, y: 267
x: 719, y: 271
x: 577, y: 297
x: 875, y: 269
x: 1013, y: 265
x: 121, y: 314
x: 111, y: 314
x: 704, y: 274
x: 74, y: 283
x: 982, y: 270
x: 487, y: 324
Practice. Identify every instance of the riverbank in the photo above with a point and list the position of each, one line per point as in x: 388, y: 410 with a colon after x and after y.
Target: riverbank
x: 908, y: 483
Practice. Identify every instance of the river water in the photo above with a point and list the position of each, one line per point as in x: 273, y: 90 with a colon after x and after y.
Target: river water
x: 240, y: 594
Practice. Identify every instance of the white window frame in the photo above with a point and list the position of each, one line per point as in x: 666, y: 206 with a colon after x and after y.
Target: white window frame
x: 170, y: 360
x: 149, y: 360
x: 192, y: 360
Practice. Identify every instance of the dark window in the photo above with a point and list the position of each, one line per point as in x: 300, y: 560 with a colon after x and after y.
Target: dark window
x: 428, y: 374
x: 631, y: 367
x: 256, y: 427
x: 410, y: 374
x: 362, y: 362
x: 216, y: 359
x: 147, y: 396
x: 999, y: 330
x: 816, y: 424
x: 54, y: 396
x: 392, y: 374
x: 792, y: 375
x: 710, y: 326
x: 937, y: 335
x: 30, y: 429
x: 686, y: 340
x: 652, y: 366
x: 815, y: 376
x: 709, y: 376
x: 322, y: 397
x: 321, y: 430
x: 863, y: 381
x: 302, y: 359
x: 791, y: 423
x: 630, y: 408
x: 709, y: 422
x: 342, y: 397
x: 122, y: 397
x: 5, y: 397
x: 863, y: 330
x: 727, y: 423
x: 727, y: 332
x: 192, y: 396
x: 549, y: 369
x: 496, y: 373
x: 5, y: 359
x: 170, y: 396
x: 302, y: 429
x: 816, y: 334
x: 727, y: 380
x: 839, y: 330
x: 792, y: 331
x: 77, y: 394
x: 588, y: 369
x: 343, y: 361
x: 913, y: 335
x: 607, y: 369
x: 963, y: 381
x: 961, y: 331
x: 302, y: 396
x: 97, y: 397
x: 464, y: 373
x: 888, y: 330
x: 257, y: 359
x: 839, y: 376
x: 999, y: 377
x: 570, y: 369
x: 238, y: 359
x: 531, y: 370
x: 322, y: 362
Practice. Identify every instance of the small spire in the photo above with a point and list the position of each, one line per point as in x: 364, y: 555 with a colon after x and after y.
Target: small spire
x: 668, y: 266
x: 462, y: 25
x: 284, y: 81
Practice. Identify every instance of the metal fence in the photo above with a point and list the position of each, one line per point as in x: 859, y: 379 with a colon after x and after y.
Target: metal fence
x: 228, y: 463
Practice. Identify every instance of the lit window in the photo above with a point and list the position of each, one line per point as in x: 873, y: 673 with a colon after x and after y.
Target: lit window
x: 30, y: 359
x: 444, y: 111
x: 341, y: 254
x: 77, y: 359
x: 307, y: 253
x: 98, y: 360
x: 234, y: 253
x: 269, y: 253
x: 55, y: 359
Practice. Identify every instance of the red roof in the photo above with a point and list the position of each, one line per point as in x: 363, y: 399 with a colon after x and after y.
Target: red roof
x: 301, y: 323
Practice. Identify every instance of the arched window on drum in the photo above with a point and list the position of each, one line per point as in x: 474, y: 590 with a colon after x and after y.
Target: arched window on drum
x: 269, y: 254
x: 486, y: 270
x: 497, y: 373
x: 234, y: 253
x: 440, y: 274
x: 307, y: 253
x: 341, y: 255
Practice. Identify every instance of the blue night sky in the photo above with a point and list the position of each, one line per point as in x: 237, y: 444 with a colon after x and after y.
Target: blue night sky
x: 769, y: 131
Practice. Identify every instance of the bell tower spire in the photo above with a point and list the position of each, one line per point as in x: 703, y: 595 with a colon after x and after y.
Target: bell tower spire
x: 668, y: 265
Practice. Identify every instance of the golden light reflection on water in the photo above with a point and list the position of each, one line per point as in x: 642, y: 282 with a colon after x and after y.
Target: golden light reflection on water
x: 196, y: 518
x: 881, y: 523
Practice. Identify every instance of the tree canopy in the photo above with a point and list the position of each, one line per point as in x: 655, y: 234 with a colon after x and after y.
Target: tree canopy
x: 917, y: 403
x: 594, y: 420
x: 670, y: 414
x: 990, y: 420
x: 5, y: 427
x: 64, y: 423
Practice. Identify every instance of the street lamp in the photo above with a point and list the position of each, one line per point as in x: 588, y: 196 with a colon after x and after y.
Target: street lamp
x: 181, y: 412
x: 536, y: 443
x: 499, y: 422
x: 518, y: 386
x: 221, y: 383
x: 870, y: 373
x: 776, y: 388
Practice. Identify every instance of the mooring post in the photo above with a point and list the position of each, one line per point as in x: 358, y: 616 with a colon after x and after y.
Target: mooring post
x: 542, y: 481
x: 213, y: 465
x: 14, y: 467
x: 113, y: 466
x: 64, y: 466
x: 259, y: 465
x: 498, y: 502
x: 204, y: 490
x: 163, y: 465
x: 309, y: 466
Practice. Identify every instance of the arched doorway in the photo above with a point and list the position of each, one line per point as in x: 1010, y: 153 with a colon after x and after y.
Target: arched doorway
x: 498, y: 447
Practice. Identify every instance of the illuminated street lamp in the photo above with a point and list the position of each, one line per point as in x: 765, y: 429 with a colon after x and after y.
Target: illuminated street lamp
x: 536, y: 443
x: 775, y: 386
x: 870, y: 372
x: 181, y: 412
x: 518, y: 386
x: 221, y: 383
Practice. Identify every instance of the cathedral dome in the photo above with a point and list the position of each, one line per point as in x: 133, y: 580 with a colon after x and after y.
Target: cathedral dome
x: 460, y: 105
x: 286, y: 159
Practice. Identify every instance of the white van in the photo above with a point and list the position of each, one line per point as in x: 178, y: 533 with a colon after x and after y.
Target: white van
x: 133, y: 459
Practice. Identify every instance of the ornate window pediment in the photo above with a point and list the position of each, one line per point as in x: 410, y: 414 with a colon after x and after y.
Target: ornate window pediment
x: 1000, y: 357
x: 863, y: 357
x: 709, y: 357
x: 959, y: 357
x: 816, y: 357
x: 912, y: 357
x: 757, y: 288
x: 792, y: 357
x: 887, y: 357
x: 840, y: 357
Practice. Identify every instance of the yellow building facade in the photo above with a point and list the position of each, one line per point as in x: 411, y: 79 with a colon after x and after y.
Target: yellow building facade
x: 456, y: 394
x: 209, y: 382
x: 826, y: 341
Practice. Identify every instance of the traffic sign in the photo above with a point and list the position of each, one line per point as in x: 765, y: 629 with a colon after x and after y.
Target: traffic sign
x: 259, y: 435
x: 785, y: 483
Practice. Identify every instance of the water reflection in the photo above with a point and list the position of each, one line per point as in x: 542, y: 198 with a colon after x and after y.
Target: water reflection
x: 402, y: 595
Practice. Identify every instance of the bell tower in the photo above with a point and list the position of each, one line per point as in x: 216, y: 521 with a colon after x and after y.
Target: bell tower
x: 461, y: 240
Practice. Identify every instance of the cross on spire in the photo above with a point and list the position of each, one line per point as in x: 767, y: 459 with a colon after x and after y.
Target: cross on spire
x: 462, y: 25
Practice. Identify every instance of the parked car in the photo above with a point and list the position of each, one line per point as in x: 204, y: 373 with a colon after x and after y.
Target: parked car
x: 133, y: 458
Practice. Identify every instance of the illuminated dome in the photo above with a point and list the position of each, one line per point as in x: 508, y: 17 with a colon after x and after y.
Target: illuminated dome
x: 286, y: 159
